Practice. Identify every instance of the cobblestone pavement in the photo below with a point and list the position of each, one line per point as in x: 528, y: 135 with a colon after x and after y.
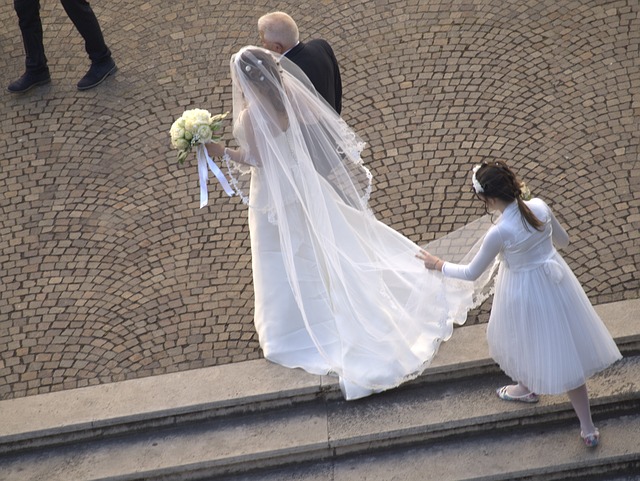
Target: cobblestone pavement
x: 110, y: 271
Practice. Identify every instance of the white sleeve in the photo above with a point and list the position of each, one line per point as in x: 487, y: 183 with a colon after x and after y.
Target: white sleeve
x: 491, y: 246
x: 247, y: 153
x: 558, y: 233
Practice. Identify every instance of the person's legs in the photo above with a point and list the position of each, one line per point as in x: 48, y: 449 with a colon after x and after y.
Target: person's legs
x: 85, y: 21
x: 579, y: 398
x: 28, y: 12
x: 36, y: 70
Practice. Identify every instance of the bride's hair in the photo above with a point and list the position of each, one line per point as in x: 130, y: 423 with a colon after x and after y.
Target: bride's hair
x: 499, y: 181
x: 261, y: 69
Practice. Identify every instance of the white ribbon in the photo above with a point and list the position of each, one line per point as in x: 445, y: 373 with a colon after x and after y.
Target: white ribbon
x: 203, y: 173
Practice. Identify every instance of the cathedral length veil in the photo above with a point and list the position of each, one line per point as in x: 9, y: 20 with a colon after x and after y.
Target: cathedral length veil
x: 362, y: 306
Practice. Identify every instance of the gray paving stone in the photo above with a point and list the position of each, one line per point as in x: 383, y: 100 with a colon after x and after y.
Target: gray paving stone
x: 108, y: 269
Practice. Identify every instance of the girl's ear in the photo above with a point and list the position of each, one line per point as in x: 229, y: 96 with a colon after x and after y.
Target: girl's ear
x: 489, y: 202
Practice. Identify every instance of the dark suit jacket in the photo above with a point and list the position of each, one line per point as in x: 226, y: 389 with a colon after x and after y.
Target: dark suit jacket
x: 316, y: 59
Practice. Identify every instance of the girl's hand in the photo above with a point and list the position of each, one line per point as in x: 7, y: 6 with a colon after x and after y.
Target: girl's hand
x: 430, y: 261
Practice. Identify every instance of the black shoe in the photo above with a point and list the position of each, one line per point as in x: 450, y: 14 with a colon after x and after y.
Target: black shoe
x: 28, y: 81
x: 97, y: 74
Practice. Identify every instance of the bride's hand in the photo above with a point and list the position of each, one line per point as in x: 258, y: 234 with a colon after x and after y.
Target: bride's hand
x: 215, y: 149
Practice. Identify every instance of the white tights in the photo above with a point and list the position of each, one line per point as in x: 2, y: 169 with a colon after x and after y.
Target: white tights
x: 579, y: 400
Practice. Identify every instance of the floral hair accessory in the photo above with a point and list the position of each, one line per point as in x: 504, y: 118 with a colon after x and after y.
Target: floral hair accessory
x: 476, y: 185
x: 525, y: 193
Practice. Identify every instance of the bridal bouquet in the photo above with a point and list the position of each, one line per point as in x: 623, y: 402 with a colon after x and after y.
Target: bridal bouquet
x: 195, y: 128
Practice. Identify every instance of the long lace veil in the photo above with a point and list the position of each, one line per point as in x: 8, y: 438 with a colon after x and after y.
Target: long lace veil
x: 374, y: 313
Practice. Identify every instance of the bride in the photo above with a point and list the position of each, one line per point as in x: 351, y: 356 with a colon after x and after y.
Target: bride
x: 336, y: 291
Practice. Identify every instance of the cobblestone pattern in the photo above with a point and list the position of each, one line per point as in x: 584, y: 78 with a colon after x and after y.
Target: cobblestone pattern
x: 110, y: 271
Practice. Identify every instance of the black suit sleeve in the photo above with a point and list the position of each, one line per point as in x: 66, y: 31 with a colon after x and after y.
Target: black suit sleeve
x: 317, y: 60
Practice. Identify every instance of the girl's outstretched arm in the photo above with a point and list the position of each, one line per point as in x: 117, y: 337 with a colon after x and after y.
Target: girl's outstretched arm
x: 490, y: 248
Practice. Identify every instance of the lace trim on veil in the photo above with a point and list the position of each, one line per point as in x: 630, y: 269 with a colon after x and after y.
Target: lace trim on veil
x: 352, y: 151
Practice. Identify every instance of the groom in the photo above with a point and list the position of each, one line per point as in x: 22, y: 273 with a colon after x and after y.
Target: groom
x: 279, y: 33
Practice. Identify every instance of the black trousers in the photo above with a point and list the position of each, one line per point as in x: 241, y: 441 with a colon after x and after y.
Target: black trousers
x: 82, y: 16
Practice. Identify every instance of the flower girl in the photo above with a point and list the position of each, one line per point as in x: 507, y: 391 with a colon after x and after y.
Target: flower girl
x: 543, y: 331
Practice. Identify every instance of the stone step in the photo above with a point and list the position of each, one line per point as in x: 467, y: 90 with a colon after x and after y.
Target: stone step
x: 98, y: 412
x: 541, y: 453
x: 439, y: 414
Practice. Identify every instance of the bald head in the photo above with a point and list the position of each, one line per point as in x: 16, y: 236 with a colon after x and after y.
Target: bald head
x: 278, y: 32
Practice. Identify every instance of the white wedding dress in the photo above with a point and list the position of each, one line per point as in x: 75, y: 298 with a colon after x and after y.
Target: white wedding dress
x: 336, y: 291
x: 367, y: 311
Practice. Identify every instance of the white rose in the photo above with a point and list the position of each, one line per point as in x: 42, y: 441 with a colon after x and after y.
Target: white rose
x: 176, y: 131
x: 182, y: 144
x: 197, y: 116
x: 204, y: 133
x: 202, y: 115
x: 189, y: 123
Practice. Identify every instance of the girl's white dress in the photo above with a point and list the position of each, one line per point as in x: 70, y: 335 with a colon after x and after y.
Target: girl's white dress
x: 543, y: 331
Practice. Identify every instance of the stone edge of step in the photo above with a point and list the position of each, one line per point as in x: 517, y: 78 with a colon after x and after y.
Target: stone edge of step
x: 278, y: 459
x: 289, y: 387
